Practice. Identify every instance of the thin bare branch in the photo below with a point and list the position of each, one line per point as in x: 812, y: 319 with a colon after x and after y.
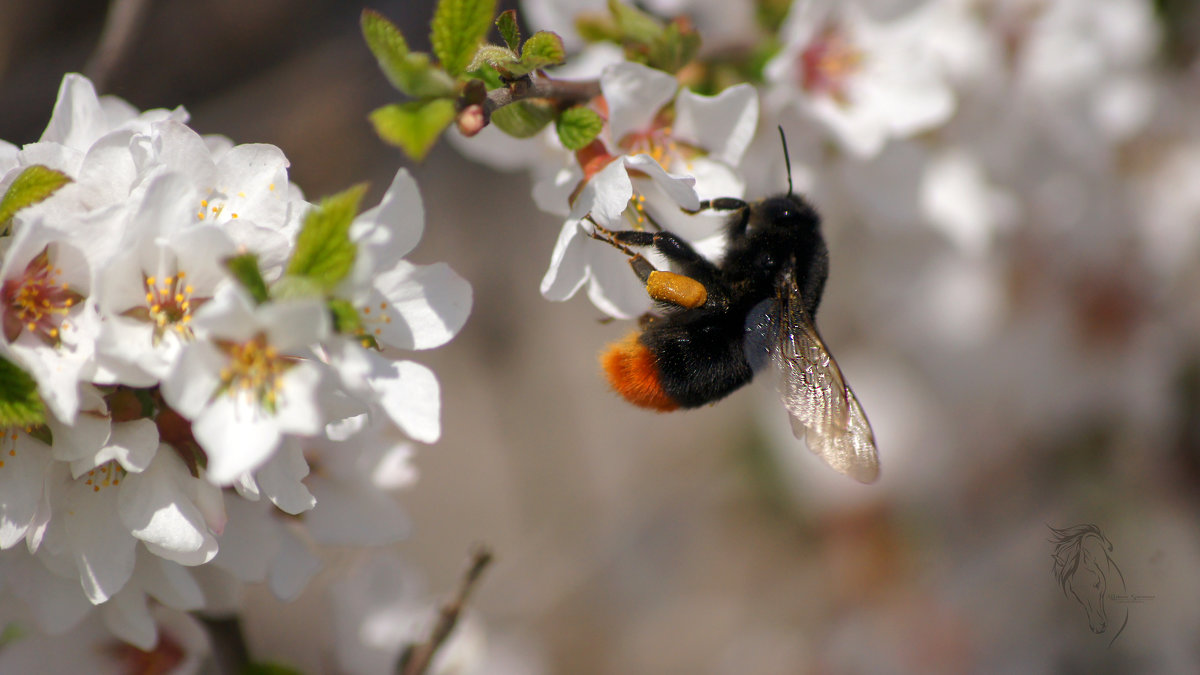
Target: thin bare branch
x: 418, y: 657
x: 120, y: 26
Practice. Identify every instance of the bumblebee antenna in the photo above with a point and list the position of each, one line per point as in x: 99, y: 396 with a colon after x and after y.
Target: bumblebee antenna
x: 786, y: 160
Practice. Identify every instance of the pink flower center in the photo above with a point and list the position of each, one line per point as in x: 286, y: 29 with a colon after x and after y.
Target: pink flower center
x: 828, y: 63
x: 37, y: 301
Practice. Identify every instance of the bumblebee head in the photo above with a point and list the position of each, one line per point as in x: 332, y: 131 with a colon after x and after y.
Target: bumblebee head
x: 788, y: 211
x: 785, y: 212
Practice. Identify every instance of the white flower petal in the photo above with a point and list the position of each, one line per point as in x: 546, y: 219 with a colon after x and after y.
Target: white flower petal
x: 195, y: 377
x: 156, y: 510
x: 128, y: 616
x: 21, y: 480
x: 410, y: 394
x: 294, y: 324
x: 396, y: 224
x: 77, y: 120
x: 679, y: 188
x: 236, y: 435
x: 296, y: 408
x: 292, y: 569
x: 615, y: 289
x: 430, y: 303
x: 281, y: 479
x: 103, y: 550
x: 251, y: 541
x: 168, y: 582
x: 634, y: 93
x: 132, y: 444
x: 724, y: 124
x: 568, y: 271
x: 606, y: 195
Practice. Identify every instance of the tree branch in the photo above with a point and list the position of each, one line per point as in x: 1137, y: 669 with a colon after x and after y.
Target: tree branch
x: 417, y: 658
x: 540, y: 86
x: 120, y: 26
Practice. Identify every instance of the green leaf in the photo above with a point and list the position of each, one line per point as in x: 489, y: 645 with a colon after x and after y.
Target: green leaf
x: 501, y: 58
x: 292, y: 287
x: 489, y: 77
x: 31, y: 186
x: 578, y: 126
x: 413, y: 126
x: 524, y: 118
x: 542, y: 49
x: 675, y: 49
x: 384, y: 39
x: 345, y: 317
x: 506, y: 23
x: 458, y: 28
x: 410, y: 72
x: 20, y: 405
x: 244, y: 268
x: 634, y: 24
x: 593, y: 27
x: 324, y: 252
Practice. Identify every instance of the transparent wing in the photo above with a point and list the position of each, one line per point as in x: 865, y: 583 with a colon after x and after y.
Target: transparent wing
x: 823, y: 409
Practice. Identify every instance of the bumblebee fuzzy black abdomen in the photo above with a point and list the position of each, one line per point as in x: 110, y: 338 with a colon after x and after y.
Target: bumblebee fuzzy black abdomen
x: 671, y: 366
x: 698, y: 362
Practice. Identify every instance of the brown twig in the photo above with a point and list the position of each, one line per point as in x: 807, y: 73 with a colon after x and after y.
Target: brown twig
x: 417, y: 658
x: 540, y: 86
x: 475, y: 110
x: 120, y: 27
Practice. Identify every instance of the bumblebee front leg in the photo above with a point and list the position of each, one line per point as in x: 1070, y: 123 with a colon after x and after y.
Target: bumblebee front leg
x: 663, y: 286
x: 727, y: 204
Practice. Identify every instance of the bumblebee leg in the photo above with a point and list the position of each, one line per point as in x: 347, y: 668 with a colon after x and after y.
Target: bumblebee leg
x: 738, y: 228
x: 719, y: 204
x: 682, y: 290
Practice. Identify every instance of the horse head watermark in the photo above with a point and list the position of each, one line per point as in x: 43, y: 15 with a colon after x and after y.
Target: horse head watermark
x: 1088, y: 574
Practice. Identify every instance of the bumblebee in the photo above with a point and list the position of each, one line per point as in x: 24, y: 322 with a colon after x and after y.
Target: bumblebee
x: 718, y: 324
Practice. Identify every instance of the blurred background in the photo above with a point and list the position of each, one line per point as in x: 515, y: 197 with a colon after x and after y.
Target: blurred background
x: 1051, y: 377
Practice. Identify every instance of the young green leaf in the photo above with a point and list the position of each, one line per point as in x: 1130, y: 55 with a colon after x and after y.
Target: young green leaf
x: 489, y: 77
x: 635, y: 25
x: 502, y: 59
x: 20, y: 405
x: 458, y: 28
x: 506, y: 23
x: 244, y: 268
x: 413, y: 126
x: 542, y: 49
x: 345, y: 317
x: 292, y: 287
x: 410, y: 72
x: 384, y: 39
x: 31, y: 186
x: 596, y: 27
x: 523, y: 118
x: 324, y: 252
x: 577, y: 127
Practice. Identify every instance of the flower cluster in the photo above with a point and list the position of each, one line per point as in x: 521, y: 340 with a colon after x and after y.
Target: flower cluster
x: 190, y: 350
